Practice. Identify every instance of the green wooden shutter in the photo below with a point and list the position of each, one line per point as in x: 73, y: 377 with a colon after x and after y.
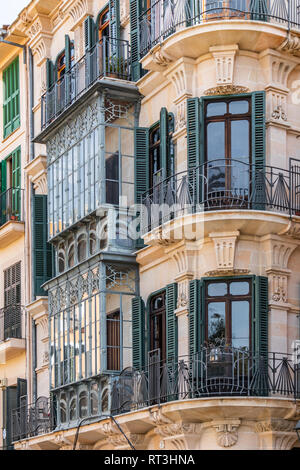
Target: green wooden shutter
x: 259, y: 148
x: 114, y: 19
x: 196, y: 316
x: 10, y: 404
x: 68, y: 67
x: 260, y: 316
x: 135, y: 39
x: 164, y: 141
x: 49, y: 73
x: 3, y: 192
x: 89, y: 33
x: 138, y: 333
x: 171, y: 323
x: 42, y: 249
x: 16, y: 184
x: 21, y: 390
x: 193, y: 132
x: 141, y: 150
x: 11, y: 98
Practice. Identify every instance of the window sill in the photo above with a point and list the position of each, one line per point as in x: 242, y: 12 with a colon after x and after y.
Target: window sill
x: 10, y: 232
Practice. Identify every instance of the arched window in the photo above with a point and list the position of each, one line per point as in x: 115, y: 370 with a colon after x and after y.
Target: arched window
x: 63, y: 408
x: 61, y: 258
x: 94, y: 399
x: 73, y: 410
x: 71, y: 255
x: 83, y: 404
x: 93, y: 242
x: 81, y: 248
x: 61, y: 65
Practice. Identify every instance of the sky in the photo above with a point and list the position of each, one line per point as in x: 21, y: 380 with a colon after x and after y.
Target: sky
x: 9, y: 10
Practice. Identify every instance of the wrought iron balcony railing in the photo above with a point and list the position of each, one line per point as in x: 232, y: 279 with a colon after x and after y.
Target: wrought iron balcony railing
x: 215, y: 371
x: 11, y: 322
x: 11, y: 205
x: 33, y: 420
x: 222, y: 185
x: 166, y: 17
x: 108, y: 58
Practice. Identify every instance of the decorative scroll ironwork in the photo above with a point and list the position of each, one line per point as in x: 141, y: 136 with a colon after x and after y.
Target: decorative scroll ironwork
x: 205, y: 189
x: 34, y: 419
x: 117, y: 278
x: 164, y: 18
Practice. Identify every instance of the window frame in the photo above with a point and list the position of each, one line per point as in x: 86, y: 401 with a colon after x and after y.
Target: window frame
x: 228, y: 299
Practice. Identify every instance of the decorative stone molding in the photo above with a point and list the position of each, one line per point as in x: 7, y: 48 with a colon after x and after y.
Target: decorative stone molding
x: 291, y: 44
x: 278, y: 284
x: 116, y: 439
x: 226, y: 432
x: 226, y: 90
x: 224, y: 60
x: 276, y: 434
x: 37, y: 170
x: 225, y: 245
x: 227, y: 272
x: 79, y: 11
x: 179, y: 436
x: 292, y: 230
x: 160, y: 57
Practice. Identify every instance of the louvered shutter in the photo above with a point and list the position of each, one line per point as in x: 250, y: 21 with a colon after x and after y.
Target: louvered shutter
x: 68, y: 67
x: 196, y: 316
x: 138, y: 333
x: 259, y: 149
x: 11, y: 404
x: 42, y: 249
x: 89, y: 41
x: 141, y: 167
x: 164, y: 141
x: 11, y: 98
x: 260, y: 327
x: 135, y: 39
x: 3, y: 193
x: 171, y: 323
x: 12, y: 301
x: 49, y: 73
x: 16, y: 184
x: 193, y: 132
x: 114, y: 29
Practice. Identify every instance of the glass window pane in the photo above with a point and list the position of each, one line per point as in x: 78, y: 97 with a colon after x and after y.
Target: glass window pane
x: 217, y: 289
x: 215, y: 140
x: 240, y: 324
x: 239, y: 107
x: 216, y: 109
x: 239, y: 288
x: 216, y: 321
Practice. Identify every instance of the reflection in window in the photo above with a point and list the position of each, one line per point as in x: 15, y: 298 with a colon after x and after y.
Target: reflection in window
x: 63, y: 408
x: 81, y: 248
x: 61, y: 261
x: 73, y: 414
x: 83, y: 404
x: 71, y: 256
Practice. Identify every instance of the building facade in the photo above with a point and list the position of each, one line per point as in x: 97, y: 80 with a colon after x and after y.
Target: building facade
x: 162, y: 182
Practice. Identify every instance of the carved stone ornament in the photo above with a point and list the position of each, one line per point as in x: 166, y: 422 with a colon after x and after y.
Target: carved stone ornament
x: 279, y: 113
x: 226, y: 90
x: 160, y: 57
x: 291, y: 44
x: 227, y: 433
x: 292, y: 230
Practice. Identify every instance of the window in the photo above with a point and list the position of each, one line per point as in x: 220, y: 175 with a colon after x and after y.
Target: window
x: 11, y: 187
x: 12, y: 301
x: 11, y: 98
x: 161, y: 149
x: 113, y: 341
x: 81, y: 248
x: 228, y: 148
x: 228, y: 312
x: 158, y: 324
x: 112, y: 178
x: 104, y: 24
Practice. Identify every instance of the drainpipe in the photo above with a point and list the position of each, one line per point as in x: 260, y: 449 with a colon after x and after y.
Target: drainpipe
x: 32, y: 242
x: 34, y: 355
x: 31, y: 98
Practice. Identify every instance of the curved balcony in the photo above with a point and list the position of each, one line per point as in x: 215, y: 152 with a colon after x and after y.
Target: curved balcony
x: 222, y: 185
x: 165, y: 18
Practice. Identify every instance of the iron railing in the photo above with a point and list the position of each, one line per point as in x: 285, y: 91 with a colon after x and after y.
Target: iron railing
x: 214, y: 371
x: 108, y: 58
x: 11, y: 322
x: 166, y: 17
x: 221, y: 185
x: 11, y: 205
x: 33, y: 420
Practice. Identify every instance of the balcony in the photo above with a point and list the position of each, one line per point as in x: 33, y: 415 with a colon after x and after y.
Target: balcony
x: 11, y: 216
x: 12, y: 342
x: 109, y: 58
x: 222, y: 185
x: 216, y: 371
x: 165, y: 18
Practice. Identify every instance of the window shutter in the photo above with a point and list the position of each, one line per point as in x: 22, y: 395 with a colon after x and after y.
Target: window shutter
x: 260, y: 326
x: 193, y: 132
x: 135, y: 39
x: 259, y: 148
x: 21, y: 390
x: 141, y: 144
x: 16, y: 184
x: 114, y: 19
x: 141, y: 167
x: 11, y: 404
x: 164, y: 141
x: 138, y: 333
x: 196, y: 316
x: 89, y: 33
x: 171, y: 323
x: 50, y: 73
x: 11, y: 98
x: 42, y: 249
x: 67, y: 52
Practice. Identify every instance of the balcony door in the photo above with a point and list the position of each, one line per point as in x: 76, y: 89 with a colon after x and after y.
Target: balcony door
x: 228, y: 152
x: 158, y: 325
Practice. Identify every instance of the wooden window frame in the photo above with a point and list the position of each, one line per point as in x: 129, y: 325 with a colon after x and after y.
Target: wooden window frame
x: 228, y: 299
x: 158, y: 312
x: 113, y: 350
x: 102, y: 27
